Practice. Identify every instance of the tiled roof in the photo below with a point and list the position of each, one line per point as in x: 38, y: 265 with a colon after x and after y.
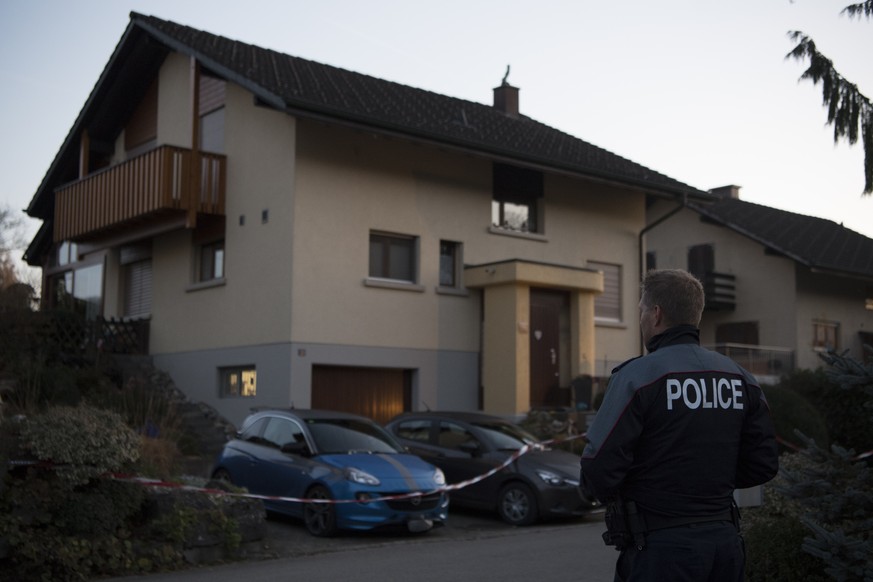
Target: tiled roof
x: 305, y: 87
x: 817, y: 243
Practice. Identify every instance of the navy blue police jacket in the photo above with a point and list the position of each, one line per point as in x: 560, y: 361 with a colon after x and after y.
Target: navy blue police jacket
x: 679, y: 429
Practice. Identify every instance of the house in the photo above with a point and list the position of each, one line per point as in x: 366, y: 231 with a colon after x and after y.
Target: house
x: 781, y: 287
x: 295, y: 234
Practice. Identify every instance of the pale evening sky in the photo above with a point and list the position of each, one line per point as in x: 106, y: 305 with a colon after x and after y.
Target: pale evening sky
x: 698, y: 90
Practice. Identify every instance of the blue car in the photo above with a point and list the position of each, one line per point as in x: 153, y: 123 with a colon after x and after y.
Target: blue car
x: 340, y: 470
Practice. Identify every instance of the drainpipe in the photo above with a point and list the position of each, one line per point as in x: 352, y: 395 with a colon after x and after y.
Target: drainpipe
x: 642, y: 256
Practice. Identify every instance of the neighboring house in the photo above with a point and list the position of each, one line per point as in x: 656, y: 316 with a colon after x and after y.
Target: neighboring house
x: 298, y: 234
x: 781, y: 287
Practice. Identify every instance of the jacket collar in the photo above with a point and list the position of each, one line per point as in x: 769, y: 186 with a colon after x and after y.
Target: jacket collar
x: 680, y: 334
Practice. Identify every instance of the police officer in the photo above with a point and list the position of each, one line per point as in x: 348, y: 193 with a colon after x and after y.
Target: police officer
x: 679, y: 429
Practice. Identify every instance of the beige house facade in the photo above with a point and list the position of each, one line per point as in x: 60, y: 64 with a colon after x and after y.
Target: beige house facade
x: 285, y: 253
x: 787, y: 287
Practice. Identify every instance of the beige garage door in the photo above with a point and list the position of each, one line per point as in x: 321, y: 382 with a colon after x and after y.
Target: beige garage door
x: 379, y: 393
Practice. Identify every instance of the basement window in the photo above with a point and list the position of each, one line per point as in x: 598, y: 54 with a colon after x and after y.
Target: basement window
x: 238, y: 382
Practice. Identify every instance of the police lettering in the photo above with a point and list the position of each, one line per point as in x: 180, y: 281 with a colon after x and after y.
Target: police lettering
x: 719, y: 393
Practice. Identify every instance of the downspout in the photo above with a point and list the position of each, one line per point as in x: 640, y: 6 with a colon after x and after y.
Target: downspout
x: 649, y: 227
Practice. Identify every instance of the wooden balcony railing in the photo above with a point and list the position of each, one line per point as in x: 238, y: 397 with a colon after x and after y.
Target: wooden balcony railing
x: 159, y: 180
x: 720, y: 290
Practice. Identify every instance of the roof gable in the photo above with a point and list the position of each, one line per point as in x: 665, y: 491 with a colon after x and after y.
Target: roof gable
x: 301, y: 86
x: 817, y: 243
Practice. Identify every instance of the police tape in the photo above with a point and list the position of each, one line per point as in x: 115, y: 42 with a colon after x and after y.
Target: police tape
x: 148, y: 482
x: 412, y: 494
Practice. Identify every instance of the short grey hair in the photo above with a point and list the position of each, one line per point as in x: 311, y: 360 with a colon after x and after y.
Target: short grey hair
x: 678, y: 293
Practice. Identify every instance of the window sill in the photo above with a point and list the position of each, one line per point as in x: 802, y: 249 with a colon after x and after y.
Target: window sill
x: 517, y: 234
x: 389, y: 284
x: 205, y: 285
x: 609, y: 323
x: 456, y: 291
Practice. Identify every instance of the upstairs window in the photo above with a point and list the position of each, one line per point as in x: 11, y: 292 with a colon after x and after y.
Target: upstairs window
x: 393, y: 257
x: 607, y: 305
x: 212, y: 99
x: 450, y: 264
x: 825, y: 335
x: 517, y: 198
x: 211, y: 261
x: 208, y: 249
x: 701, y: 261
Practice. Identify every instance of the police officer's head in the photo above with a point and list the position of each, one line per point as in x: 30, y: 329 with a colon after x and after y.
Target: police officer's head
x: 669, y: 297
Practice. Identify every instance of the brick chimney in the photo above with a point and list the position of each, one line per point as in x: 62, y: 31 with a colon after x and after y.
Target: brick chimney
x: 506, y: 97
x: 727, y: 192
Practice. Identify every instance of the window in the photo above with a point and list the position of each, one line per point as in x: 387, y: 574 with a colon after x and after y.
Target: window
x: 138, y: 288
x: 450, y: 264
x: 452, y: 436
x: 393, y: 257
x: 211, y: 261
x: 701, y: 261
x: 238, y: 382
x: 516, y: 199
x: 79, y: 287
x: 651, y: 260
x: 607, y: 305
x: 136, y: 265
x: 213, y: 93
x: 281, y: 432
x: 414, y: 430
x: 825, y: 335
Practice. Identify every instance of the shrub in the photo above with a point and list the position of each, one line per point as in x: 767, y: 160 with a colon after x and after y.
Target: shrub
x: 83, y: 442
x: 774, y: 533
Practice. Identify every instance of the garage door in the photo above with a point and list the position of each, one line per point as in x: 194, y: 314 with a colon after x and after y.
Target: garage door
x: 379, y: 393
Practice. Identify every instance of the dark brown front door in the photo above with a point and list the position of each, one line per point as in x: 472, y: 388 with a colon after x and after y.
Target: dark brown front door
x: 545, y: 347
x: 378, y: 393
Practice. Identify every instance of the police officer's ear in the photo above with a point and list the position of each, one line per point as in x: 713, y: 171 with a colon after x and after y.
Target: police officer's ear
x: 657, y: 315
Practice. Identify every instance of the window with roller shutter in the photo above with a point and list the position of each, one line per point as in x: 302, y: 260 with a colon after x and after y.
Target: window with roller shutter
x: 607, y: 305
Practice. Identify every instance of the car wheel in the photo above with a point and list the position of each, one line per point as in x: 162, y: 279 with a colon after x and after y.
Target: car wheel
x: 517, y: 505
x: 320, y: 518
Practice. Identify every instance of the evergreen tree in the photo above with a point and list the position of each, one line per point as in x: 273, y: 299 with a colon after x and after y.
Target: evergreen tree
x: 836, y: 489
x: 849, y: 111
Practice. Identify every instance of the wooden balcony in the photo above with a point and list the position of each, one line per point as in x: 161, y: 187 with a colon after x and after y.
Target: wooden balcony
x: 154, y: 184
x: 720, y: 290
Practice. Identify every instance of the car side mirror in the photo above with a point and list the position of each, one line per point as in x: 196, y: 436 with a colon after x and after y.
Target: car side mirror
x: 295, y: 448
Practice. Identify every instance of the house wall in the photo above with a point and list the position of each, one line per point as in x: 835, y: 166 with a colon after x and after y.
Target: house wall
x: 765, y: 288
x: 295, y: 294
x: 252, y: 307
x: 831, y: 298
x: 783, y: 297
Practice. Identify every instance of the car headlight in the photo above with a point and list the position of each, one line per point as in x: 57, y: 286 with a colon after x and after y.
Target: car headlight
x: 362, y: 477
x: 551, y: 478
x: 439, y: 477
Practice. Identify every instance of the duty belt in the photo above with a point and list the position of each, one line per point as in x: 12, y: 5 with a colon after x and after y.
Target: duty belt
x: 654, y: 522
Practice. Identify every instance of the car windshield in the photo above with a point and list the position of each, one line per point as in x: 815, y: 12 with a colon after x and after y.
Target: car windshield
x: 341, y: 436
x: 506, y: 436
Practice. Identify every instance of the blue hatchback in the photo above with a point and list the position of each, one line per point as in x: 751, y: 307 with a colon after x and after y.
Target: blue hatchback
x: 334, y: 470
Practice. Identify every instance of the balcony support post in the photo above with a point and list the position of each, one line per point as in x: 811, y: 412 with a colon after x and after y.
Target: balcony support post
x: 194, y: 193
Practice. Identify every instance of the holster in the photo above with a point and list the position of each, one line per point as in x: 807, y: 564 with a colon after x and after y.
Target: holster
x: 625, y: 526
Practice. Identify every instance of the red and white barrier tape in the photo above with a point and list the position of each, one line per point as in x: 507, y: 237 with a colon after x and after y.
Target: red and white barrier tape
x: 452, y: 487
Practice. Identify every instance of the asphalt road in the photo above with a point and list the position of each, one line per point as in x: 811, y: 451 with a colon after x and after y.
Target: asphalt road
x: 473, y: 546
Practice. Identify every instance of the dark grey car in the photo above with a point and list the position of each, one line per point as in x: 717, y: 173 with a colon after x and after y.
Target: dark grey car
x: 465, y: 445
